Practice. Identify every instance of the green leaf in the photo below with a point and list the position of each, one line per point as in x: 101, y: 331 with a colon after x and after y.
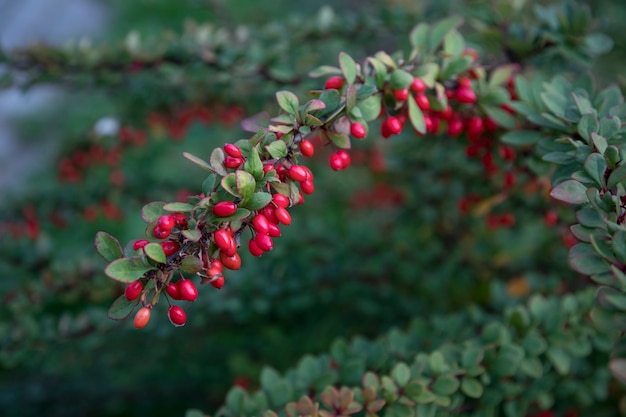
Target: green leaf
x: 590, y: 217
x: 121, y: 308
x: 559, y: 359
x: 234, y: 400
x: 348, y: 67
x: 246, y: 185
x: 370, y: 107
x: 257, y: 201
x: 198, y: 161
x: 522, y: 137
x: 191, y: 264
x: 472, y: 387
x: 599, y: 142
x: 176, y: 207
x: 472, y: 356
x: 401, y: 374
x: 107, y: 246
x: 416, y: 117
x: 619, y: 245
x: 155, y: 252
x: 533, y: 343
x: 380, y: 71
x: 419, y: 36
x: 501, y: 75
x: 400, y: 79
x: 339, y: 139
x: 208, y: 184
x: 584, y: 106
x: 194, y: 413
x: 429, y: 72
x: 254, y: 165
x: 240, y: 214
x: 288, y: 101
x: 595, y: 166
x: 351, y: 92
x: 617, y: 176
x: 152, y: 211
x: 453, y: 43
x: 229, y: 184
x: 269, y: 378
x: 455, y: 66
x: 324, y: 71
x: 437, y: 362
x: 618, y: 369
x: 441, y: 29
x: 532, y: 367
x: 193, y: 235
x: 277, y: 149
x: 501, y: 117
x: 217, y: 161
x: 508, y: 360
x: 570, y: 191
x: 446, y: 385
x: 126, y: 270
x: 583, y: 258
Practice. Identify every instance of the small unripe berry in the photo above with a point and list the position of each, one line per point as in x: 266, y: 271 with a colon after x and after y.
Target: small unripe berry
x: 142, y: 317
x: 335, y: 82
x: 140, y: 244
x: 224, y: 209
x: 306, y: 148
x: 133, y: 290
x: 188, y: 290
x: 177, y: 316
x: 232, y: 150
x: 357, y: 130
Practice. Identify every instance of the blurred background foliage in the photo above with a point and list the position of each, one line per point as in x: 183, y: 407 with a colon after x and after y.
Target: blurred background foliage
x: 375, y: 246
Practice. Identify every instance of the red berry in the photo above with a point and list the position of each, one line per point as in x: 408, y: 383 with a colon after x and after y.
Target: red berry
x: 281, y: 200
x: 268, y: 212
x: 260, y: 224
x: 232, y: 150
x: 345, y: 157
x: 177, y: 316
x: 283, y: 216
x: 231, y: 250
x: 335, y: 161
x: 357, y: 130
x: 231, y: 262
x: 274, y: 230
x: 188, y: 290
x: 180, y: 219
x: 475, y: 126
x: 466, y: 95
x: 218, y: 282
x: 142, y: 317
x: 445, y: 114
x: 418, y: 86
x: 170, y: 247
x: 166, y: 222
x: 297, y: 173
x: 140, y: 244
x: 223, y: 239
x: 401, y: 94
x: 233, y: 162
x: 133, y: 290
x: 455, y: 127
x: 507, y: 153
x: 422, y: 102
x: 264, y: 242
x: 335, y: 82
x: 490, y: 124
x: 267, y: 168
x: 551, y: 218
x: 173, y: 291
x: 465, y: 82
x: 216, y: 264
x: 224, y: 209
x: 160, y: 233
x: 391, y: 126
x: 306, y: 148
x: 254, y: 249
x: 307, y: 187
x: 509, y: 179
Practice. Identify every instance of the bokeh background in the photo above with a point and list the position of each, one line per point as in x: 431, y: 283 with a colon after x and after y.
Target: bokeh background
x: 89, y: 135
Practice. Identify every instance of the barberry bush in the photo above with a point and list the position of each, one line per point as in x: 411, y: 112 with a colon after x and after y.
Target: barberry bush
x: 432, y: 229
